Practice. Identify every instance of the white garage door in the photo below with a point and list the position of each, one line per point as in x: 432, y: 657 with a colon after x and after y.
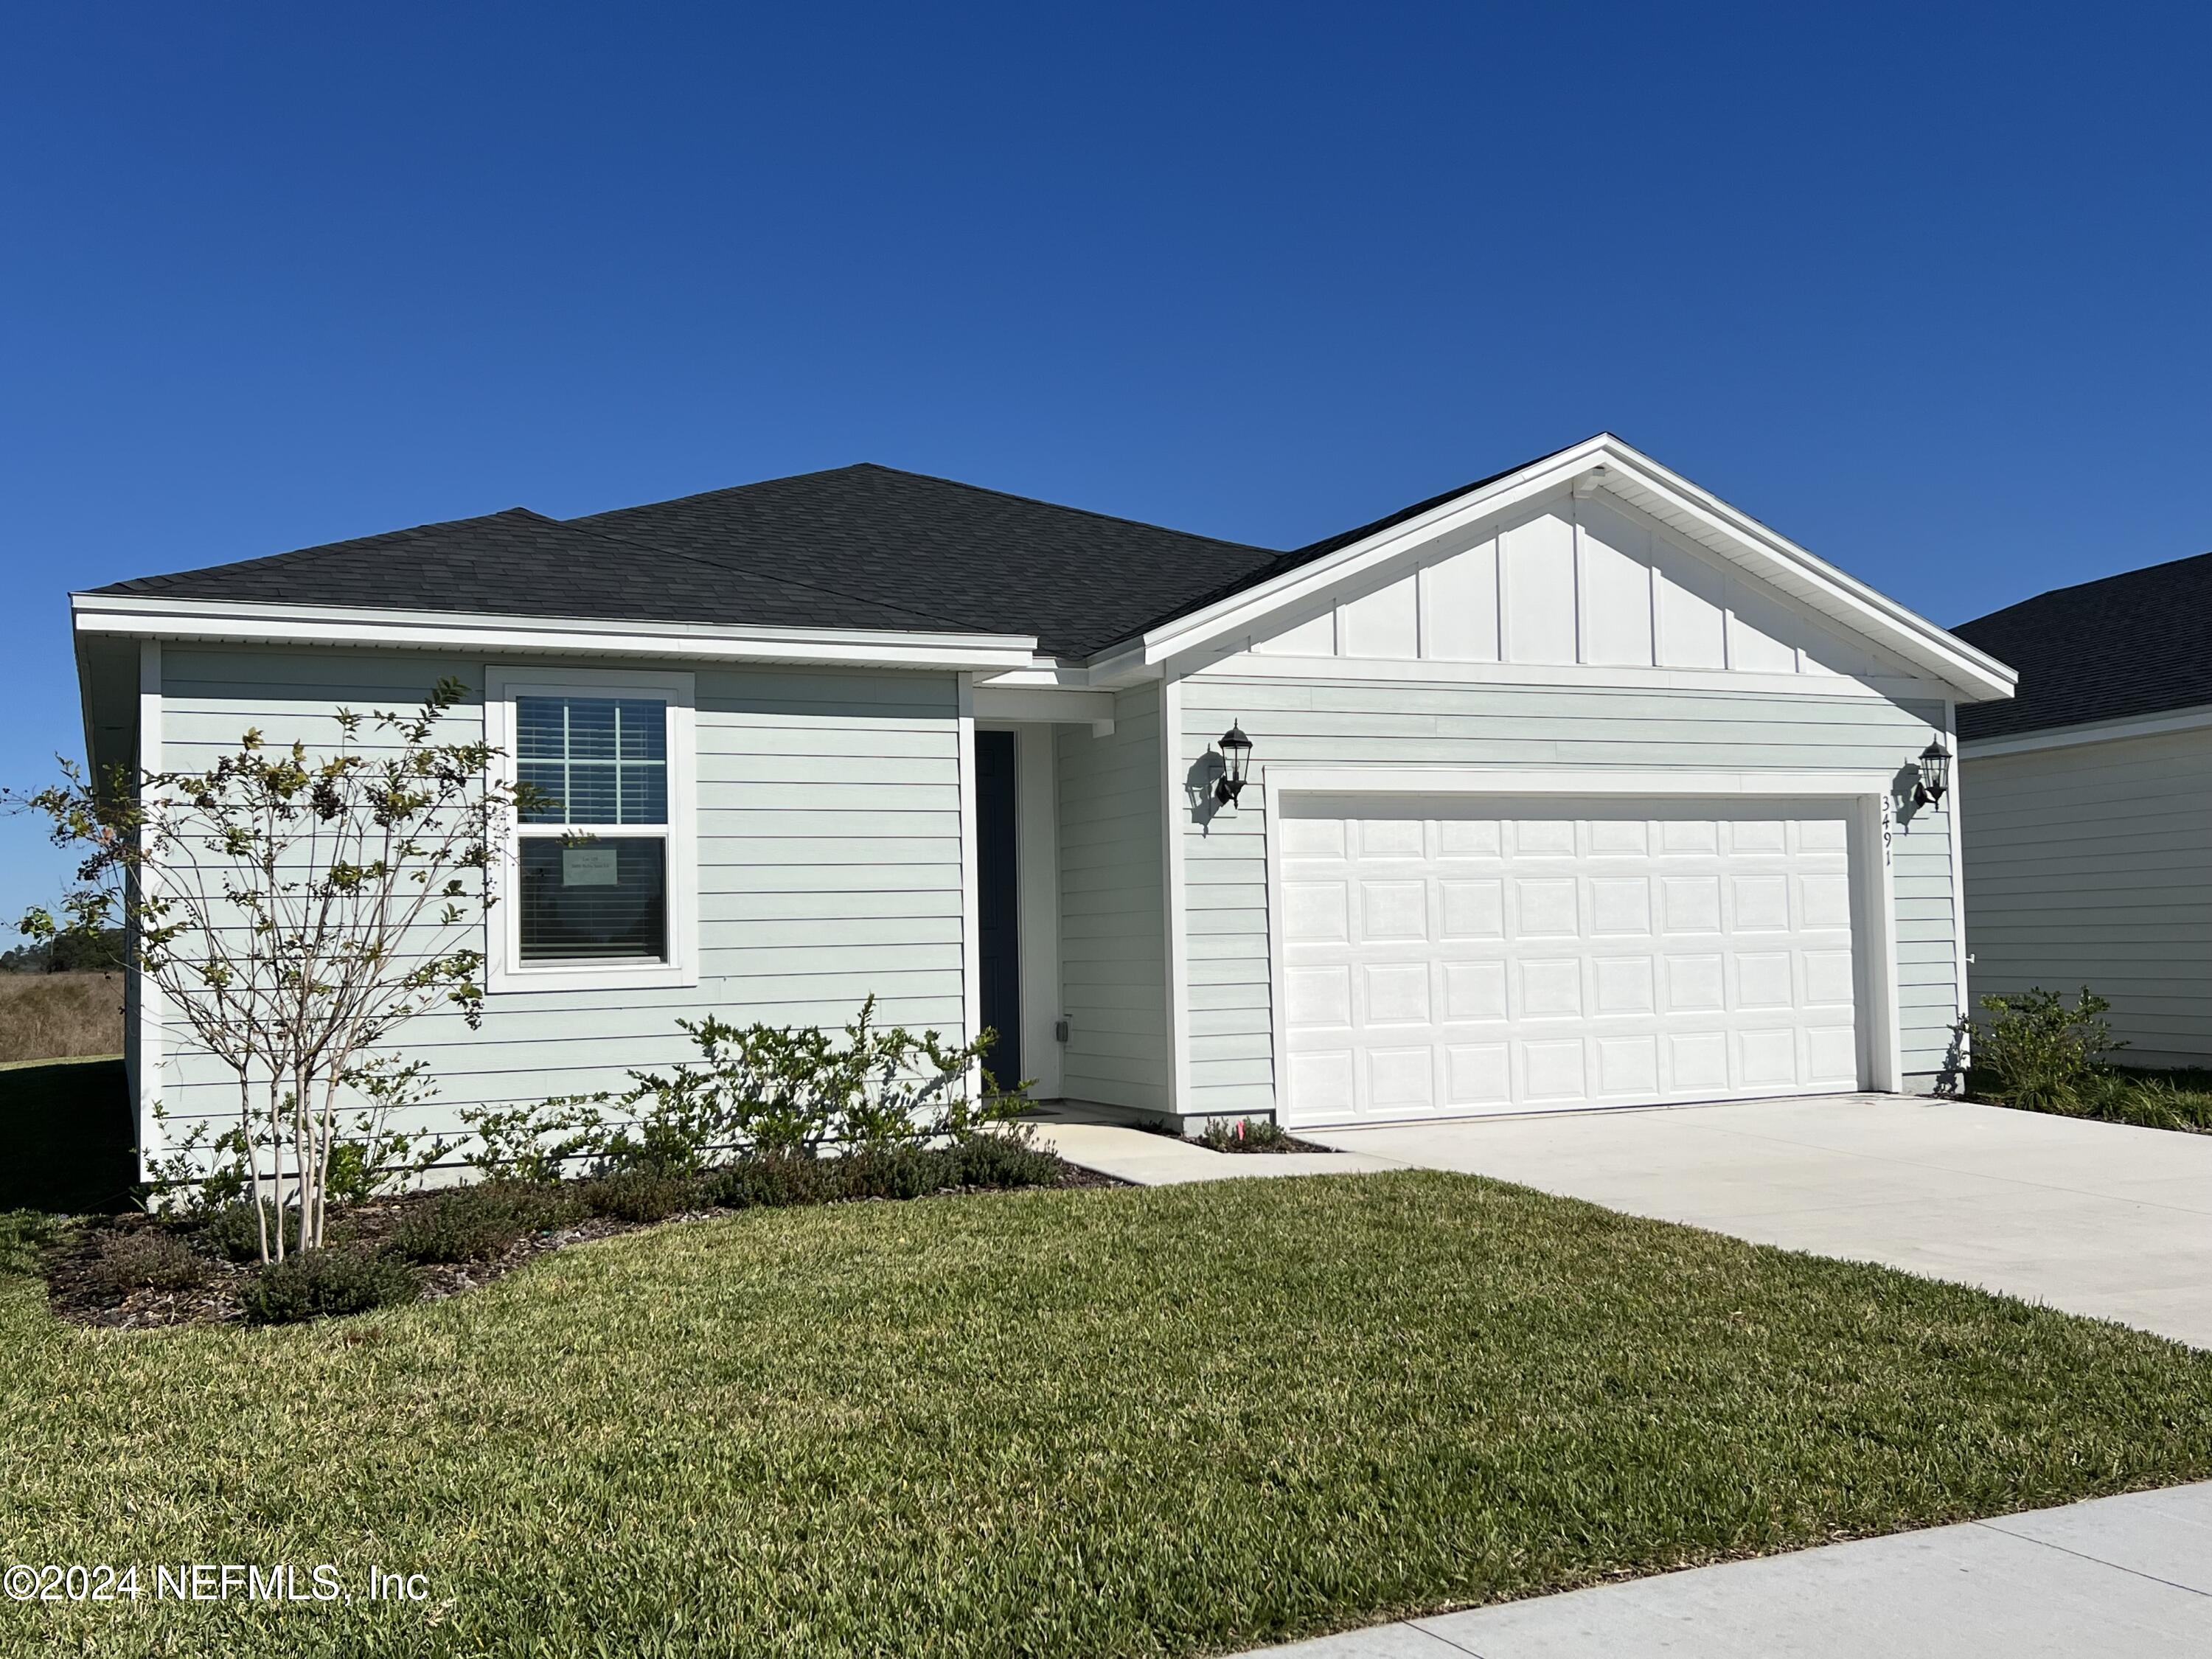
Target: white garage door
x: 1443, y: 958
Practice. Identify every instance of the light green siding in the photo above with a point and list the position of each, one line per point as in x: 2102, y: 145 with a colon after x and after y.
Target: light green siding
x: 829, y: 844
x: 1113, y: 926
x: 1293, y: 721
x: 2092, y: 865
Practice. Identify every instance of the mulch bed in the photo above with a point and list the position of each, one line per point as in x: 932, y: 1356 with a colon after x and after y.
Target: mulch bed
x: 215, y: 1299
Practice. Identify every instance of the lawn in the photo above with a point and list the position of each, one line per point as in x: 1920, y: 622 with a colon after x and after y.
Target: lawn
x: 1102, y: 1422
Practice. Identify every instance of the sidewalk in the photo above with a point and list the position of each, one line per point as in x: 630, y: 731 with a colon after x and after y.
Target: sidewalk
x: 2129, y: 1575
x: 1151, y: 1160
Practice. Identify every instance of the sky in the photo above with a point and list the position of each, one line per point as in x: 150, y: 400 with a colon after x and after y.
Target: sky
x: 1923, y: 286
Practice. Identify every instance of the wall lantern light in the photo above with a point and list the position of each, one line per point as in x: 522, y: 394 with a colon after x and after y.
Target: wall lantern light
x: 1236, y: 751
x: 1935, y: 774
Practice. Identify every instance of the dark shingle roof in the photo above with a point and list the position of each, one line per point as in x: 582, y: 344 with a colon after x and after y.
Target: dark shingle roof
x: 520, y: 563
x: 2139, y: 643
x: 1078, y: 580
x: 861, y: 546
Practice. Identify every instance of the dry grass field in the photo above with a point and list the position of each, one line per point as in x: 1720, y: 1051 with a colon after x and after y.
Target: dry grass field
x: 60, y: 1016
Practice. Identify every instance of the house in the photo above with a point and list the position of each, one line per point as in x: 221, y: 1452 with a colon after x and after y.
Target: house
x: 1572, y: 787
x: 2088, y: 805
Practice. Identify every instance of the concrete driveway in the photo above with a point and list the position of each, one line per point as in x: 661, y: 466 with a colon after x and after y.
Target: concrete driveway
x: 2092, y: 1217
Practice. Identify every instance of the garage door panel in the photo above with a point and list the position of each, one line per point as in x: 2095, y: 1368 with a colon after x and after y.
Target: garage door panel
x: 1459, y: 959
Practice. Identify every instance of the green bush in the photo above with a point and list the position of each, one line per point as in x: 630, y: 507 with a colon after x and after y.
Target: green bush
x: 146, y: 1258
x: 1245, y: 1134
x: 1004, y: 1160
x: 317, y: 1283
x: 474, y: 1224
x: 234, y: 1231
x: 2033, y: 1051
x: 770, y: 1181
x: 640, y: 1195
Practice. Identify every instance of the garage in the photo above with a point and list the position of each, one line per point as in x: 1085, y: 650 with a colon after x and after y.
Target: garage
x: 1451, y: 956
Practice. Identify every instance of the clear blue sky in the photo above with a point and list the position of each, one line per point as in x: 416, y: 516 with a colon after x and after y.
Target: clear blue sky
x: 1923, y: 286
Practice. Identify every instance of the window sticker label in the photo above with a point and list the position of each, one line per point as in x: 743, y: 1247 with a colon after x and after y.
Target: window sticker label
x: 588, y: 866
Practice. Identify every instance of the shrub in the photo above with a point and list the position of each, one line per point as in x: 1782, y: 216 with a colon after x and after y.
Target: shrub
x: 641, y: 1195
x: 321, y: 1283
x: 145, y: 1259
x: 536, y: 1144
x: 474, y: 1224
x: 770, y: 1181
x: 790, y: 1091
x: 1245, y: 1134
x: 2034, y: 1051
x: 1005, y: 1159
x: 234, y: 1231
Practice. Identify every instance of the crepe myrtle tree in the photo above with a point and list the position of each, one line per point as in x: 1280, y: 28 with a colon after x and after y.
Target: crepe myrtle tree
x: 294, y: 908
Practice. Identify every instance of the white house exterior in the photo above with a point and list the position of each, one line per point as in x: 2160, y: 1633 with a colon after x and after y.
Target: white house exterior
x: 2087, y: 806
x: 1576, y: 787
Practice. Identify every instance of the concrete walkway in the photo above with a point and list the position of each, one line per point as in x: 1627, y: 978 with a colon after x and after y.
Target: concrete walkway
x: 2095, y: 1218
x: 2127, y: 1576
x: 1154, y: 1160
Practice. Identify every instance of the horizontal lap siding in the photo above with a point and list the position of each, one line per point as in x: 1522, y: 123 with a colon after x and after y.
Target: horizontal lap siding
x: 1113, y: 926
x: 1335, y: 722
x: 829, y: 819
x: 2092, y: 865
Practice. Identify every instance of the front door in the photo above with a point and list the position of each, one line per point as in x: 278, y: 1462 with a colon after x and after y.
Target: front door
x: 997, y: 904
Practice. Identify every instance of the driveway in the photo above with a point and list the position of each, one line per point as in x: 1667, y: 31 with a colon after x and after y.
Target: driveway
x: 2095, y: 1218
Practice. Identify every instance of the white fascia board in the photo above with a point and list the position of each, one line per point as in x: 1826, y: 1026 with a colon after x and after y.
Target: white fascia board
x: 2197, y: 719
x: 1972, y: 674
x: 220, y: 620
x: 997, y: 701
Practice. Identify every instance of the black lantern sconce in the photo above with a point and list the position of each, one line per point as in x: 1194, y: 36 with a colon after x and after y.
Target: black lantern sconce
x: 1935, y: 774
x: 1236, y: 754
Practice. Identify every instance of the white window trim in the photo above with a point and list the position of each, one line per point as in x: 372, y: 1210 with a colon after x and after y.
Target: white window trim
x: 505, y: 969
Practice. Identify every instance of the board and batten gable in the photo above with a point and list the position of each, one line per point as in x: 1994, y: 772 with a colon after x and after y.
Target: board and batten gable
x: 2090, y: 863
x: 1579, y: 636
x: 1113, y: 912
x: 828, y: 840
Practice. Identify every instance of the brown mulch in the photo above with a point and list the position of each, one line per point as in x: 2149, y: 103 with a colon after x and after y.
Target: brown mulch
x: 216, y: 1300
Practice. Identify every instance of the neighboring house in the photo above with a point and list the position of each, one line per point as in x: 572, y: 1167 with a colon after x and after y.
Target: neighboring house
x: 1572, y: 787
x: 2088, y: 804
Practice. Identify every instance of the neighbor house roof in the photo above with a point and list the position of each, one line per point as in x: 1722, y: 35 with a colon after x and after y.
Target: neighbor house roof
x: 2137, y: 643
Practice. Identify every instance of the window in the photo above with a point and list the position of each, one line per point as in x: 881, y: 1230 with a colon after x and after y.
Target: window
x: 601, y: 880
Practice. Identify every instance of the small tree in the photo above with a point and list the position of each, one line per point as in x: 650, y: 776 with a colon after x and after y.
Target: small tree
x: 292, y: 910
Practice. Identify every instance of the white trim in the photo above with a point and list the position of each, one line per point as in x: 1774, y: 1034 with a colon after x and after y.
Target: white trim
x: 1406, y: 672
x: 2067, y: 737
x: 1036, y: 823
x: 505, y: 971
x: 1399, y: 778
x: 1003, y: 702
x: 1174, y: 815
x: 971, y: 919
x: 1874, y: 892
x: 152, y: 1006
x: 1780, y: 563
x: 1955, y: 826
x: 279, y: 625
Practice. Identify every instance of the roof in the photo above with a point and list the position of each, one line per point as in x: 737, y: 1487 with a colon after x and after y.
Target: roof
x: 2137, y: 643
x: 900, y: 557
x: 862, y: 547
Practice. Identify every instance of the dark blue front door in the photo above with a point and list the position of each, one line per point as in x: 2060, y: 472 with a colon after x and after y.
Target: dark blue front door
x: 996, y: 902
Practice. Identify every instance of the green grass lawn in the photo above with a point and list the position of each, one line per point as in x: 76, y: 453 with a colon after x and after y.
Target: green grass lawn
x: 1099, y: 1422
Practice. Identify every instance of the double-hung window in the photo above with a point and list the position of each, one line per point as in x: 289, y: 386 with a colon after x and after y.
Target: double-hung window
x: 601, y: 873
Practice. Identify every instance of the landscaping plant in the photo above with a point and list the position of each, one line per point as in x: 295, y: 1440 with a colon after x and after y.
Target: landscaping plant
x: 2031, y: 1050
x: 313, y: 1283
x: 292, y: 910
